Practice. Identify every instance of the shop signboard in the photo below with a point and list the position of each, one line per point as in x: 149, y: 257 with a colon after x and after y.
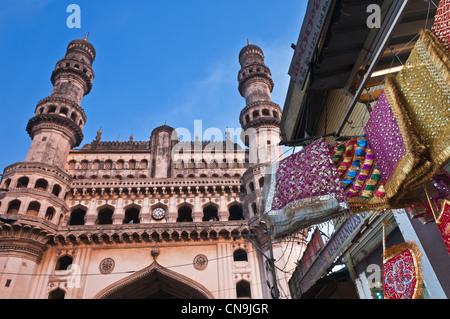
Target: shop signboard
x: 339, y: 240
x: 307, y: 41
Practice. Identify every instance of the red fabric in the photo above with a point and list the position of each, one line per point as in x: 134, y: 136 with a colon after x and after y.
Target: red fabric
x: 399, y: 276
x: 441, y: 26
x: 444, y: 225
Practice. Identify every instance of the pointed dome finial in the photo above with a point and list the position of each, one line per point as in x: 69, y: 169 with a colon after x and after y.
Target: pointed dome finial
x: 248, y: 42
x: 99, y: 135
x: 86, y: 37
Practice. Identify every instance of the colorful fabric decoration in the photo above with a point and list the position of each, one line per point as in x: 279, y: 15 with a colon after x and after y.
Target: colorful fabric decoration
x: 304, y: 189
x: 397, y: 148
x: 408, y: 129
x: 441, y: 26
x: 359, y: 175
x: 401, y: 272
x: 443, y: 223
x: 425, y: 85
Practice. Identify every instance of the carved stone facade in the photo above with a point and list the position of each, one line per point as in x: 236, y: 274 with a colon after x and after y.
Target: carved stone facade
x: 111, y: 219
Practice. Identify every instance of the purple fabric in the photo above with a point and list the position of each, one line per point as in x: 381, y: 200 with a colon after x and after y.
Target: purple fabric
x: 384, y: 137
x: 307, y: 174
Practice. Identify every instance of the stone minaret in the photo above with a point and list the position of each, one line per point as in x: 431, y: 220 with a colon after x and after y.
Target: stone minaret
x: 32, y: 193
x: 260, y: 122
x: 260, y: 119
x: 59, y: 119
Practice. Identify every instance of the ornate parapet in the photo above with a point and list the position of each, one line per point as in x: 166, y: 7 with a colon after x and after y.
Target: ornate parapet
x: 25, y: 236
x: 155, y: 233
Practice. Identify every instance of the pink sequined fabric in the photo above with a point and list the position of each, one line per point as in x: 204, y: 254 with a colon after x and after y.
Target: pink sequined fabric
x: 307, y: 174
x: 385, y: 138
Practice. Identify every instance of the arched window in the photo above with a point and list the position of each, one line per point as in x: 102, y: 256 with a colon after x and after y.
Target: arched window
x: 251, y: 187
x: 77, y: 217
x: 41, y: 184
x: 132, y: 164
x: 184, y: 214
x: 13, y: 207
x: 105, y: 216
x: 96, y: 164
x: 240, y: 255
x: 33, y: 208
x: 22, y: 182
x: 119, y: 164
x: 72, y: 164
x: 210, y: 214
x: 52, y: 109
x: 243, y: 290
x: 84, y: 164
x: 143, y: 164
x: 49, y: 213
x: 56, y: 190
x: 254, y: 209
x: 265, y: 112
x: 7, y: 183
x: 57, y: 294
x: 63, y: 262
x: 261, y: 182
x: 255, y: 114
x: 236, y: 213
x: 108, y: 164
x: 131, y: 216
x: 64, y: 111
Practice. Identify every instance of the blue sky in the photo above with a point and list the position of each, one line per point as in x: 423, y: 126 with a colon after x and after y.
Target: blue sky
x: 157, y: 61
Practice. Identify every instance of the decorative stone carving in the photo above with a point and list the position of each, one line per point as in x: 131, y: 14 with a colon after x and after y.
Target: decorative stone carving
x: 107, y: 266
x: 200, y: 262
x: 155, y: 252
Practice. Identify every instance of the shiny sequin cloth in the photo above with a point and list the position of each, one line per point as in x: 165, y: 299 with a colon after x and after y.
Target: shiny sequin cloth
x: 408, y: 129
x: 425, y: 85
x: 441, y: 26
x: 359, y: 175
x: 304, y: 190
x: 385, y: 138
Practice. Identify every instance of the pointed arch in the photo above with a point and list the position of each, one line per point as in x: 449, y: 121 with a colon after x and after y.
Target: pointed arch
x: 152, y: 279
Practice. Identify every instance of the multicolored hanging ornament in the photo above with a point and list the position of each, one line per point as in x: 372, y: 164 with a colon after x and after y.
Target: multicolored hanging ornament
x: 443, y: 223
x: 441, y: 26
x: 302, y: 190
x: 402, y: 277
x: 359, y: 175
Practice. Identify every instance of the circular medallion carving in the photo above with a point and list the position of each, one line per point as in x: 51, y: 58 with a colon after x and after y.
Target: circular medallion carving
x: 107, y: 266
x: 200, y: 262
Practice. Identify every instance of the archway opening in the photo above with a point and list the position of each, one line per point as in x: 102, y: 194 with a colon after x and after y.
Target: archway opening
x: 184, y: 214
x: 77, y: 217
x: 210, y: 214
x: 155, y: 282
x: 105, y: 217
x: 236, y: 213
x: 131, y: 216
